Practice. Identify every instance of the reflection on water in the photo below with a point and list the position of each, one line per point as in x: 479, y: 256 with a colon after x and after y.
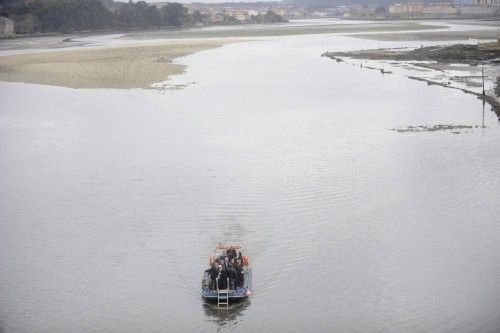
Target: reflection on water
x: 225, y: 318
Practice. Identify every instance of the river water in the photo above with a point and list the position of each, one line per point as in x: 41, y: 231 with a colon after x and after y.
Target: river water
x: 112, y: 200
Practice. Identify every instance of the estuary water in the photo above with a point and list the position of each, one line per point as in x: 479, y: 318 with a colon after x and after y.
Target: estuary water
x: 112, y: 200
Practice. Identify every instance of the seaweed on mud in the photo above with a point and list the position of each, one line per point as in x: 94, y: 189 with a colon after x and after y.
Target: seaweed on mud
x: 461, y: 53
x: 458, y: 53
x: 439, y: 127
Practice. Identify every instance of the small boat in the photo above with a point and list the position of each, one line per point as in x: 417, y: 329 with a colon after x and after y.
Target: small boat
x: 224, y: 292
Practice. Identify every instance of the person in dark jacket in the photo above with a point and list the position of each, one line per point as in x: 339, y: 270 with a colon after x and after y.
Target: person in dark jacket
x: 231, y: 274
x: 231, y: 253
x: 226, y: 263
x: 214, y: 273
x: 222, y: 278
x: 239, y: 274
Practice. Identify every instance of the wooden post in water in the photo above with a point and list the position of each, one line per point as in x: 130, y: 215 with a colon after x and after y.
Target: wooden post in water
x: 482, y: 72
x: 482, y: 125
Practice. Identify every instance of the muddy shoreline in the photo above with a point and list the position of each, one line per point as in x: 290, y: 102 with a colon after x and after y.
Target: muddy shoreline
x: 472, y: 55
x: 492, y: 101
x: 458, y: 53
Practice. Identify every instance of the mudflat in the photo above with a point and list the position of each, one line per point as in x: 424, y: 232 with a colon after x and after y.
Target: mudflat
x: 429, y: 35
x: 461, y: 53
x: 287, y: 29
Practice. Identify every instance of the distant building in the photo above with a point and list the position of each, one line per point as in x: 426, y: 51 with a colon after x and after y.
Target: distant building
x: 414, y: 9
x: 479, y: 11
x: 441, y: 10
x: 480, y: 8
x: 242, y: 15
x: 318, y: 13
x: 6, y: 27
x: 487, y: 3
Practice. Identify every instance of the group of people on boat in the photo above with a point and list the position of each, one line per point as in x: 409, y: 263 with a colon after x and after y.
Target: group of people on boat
x: 228, y: 267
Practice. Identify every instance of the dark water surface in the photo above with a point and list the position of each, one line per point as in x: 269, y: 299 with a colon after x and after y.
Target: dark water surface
x: 111, y: 200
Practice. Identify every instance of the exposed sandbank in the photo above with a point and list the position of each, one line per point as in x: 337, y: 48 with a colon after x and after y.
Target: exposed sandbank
x: 134, y: 66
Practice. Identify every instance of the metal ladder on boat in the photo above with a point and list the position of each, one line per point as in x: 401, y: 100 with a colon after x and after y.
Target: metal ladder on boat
x: 222, y: 296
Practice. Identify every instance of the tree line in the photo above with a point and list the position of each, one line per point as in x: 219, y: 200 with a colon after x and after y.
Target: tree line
x: 90, y: 15
x: 35, y: 16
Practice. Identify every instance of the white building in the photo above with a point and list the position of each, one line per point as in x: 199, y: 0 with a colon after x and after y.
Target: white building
x: 479, y: 11
x: 6, y: 27
x: 436, y: 10
x: 495, y: 3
